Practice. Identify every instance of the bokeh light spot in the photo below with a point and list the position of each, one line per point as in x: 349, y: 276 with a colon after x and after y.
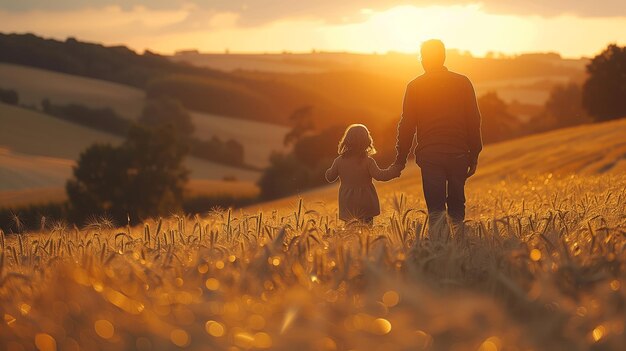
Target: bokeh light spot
x: 104, y: 329
x: 179, y: 337
x: 491, y: 344
x: 212, y: 284
x: 615, y: 285
x: 45, y: 342
x: 535, y: 255
x: 598, y: 332
x: 214, y: 328
x: 381, y: 326
x: 262, y: 340
x: 391, y: 298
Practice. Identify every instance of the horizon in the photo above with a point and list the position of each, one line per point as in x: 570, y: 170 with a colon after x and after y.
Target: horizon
x: 183, y: 50
x: 573, y: 30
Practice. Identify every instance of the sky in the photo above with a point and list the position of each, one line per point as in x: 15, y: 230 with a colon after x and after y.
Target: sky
x: 572, y: 28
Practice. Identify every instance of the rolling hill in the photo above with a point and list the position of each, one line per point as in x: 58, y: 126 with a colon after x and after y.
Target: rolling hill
x: 35, y: 84
x: 234, y: 89
x: 513, y: 78
x: 581, y: 151
x: 38, y: 151
x: 258, y: 139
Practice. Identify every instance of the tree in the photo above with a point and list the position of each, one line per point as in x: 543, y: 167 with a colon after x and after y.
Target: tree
x: 302, y: 168
x: 302, y: 120
x: 167, y: 112
x: 144, y: 177
x: 104, y: 119
x: 315, y: 148
x: 604, y: 92
x: 9, y: 97
x: 564, y: 107
x: 497, y: 123
x: 288, y: 175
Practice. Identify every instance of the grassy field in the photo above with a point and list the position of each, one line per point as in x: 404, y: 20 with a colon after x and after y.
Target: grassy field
x: 541, y: 266
x: 33, y: 133
x: 33, y: 85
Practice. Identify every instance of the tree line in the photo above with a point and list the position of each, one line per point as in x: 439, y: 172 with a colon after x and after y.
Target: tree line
x: 9, y: 96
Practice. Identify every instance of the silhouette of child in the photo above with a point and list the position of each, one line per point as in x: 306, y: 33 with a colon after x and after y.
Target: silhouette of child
x: 356, y: 168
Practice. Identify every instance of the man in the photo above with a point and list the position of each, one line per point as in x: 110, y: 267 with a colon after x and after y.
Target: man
x: 440, y: 108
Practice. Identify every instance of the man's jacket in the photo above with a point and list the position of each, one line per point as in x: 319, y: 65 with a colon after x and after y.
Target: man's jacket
x: 440, y: 106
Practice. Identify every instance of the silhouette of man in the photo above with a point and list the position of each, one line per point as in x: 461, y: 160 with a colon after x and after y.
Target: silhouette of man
x: 440, y: 109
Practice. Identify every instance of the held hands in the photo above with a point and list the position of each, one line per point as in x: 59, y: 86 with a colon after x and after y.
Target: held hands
x: 395, y: 170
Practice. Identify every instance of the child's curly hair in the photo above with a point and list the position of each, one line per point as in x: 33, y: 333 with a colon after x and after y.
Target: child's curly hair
x: 356, y: 141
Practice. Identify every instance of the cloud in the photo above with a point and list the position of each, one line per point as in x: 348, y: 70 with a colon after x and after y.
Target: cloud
x: 254, y: 12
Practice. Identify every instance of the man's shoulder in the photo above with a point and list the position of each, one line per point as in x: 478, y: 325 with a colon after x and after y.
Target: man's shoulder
x: 415, y: 81
x: 424, y: 78
x: 460, y: 77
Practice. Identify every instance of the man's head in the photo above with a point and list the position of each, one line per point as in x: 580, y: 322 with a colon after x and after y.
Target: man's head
x: 433, y: 54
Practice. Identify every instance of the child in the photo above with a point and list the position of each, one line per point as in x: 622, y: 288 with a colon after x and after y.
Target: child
x: 355, y: 168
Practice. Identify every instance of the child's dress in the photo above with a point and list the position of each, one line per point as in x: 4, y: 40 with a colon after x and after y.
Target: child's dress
x: 357, y: 195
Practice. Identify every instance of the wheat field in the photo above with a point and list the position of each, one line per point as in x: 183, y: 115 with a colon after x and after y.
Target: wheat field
x: 541, y: 265
x: 543, y: 269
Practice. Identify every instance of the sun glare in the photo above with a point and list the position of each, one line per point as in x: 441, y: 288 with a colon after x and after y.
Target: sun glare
x: 465, y: 27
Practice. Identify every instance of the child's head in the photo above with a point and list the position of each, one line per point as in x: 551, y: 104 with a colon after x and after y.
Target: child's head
x: 356, y: 141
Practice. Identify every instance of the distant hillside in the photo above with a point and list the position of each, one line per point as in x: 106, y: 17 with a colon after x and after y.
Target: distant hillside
x: 259, y: 139
x: 396, y: 65
x: 35, y: 84
x: 116, y: 63
x: 341, y: 88
x: 514, y: 78
x: 572, y: 152
x: 38, y: 152
x: 198, y: 88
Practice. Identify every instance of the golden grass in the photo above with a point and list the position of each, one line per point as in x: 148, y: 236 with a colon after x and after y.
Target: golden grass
x: 540, y: 269
x: 209, y: 187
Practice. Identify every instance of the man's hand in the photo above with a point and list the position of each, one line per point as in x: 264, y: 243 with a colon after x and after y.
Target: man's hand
x: 396, y: 169
x: 398, y: 165
x: 471, y: 169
